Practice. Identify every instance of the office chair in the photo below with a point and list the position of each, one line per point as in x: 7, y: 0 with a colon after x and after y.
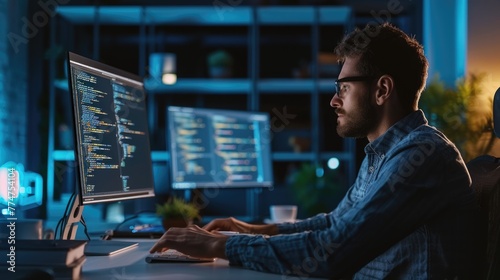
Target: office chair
x: 485, y: 174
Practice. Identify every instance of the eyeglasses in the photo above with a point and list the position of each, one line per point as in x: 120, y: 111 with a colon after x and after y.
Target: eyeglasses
x: 338, y: 83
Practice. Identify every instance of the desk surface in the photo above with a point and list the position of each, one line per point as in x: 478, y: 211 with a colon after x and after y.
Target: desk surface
x: 132, y: 265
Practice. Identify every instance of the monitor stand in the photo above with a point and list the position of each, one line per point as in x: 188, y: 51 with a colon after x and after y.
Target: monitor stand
x: 93, y: 247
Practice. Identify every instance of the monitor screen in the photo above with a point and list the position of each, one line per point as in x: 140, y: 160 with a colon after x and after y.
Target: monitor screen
x: 111, y: 130
x: 212, y: 148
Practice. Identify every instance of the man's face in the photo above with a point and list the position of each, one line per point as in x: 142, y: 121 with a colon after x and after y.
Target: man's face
x: 354, y: 104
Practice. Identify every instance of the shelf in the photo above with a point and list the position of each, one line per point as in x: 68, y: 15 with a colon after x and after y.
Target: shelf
x: 135, y: 15
x: 209, y: 15
x: 69, y: 155
x: 200, y: 86
x: 63, y: 155
x: 204, y: 15
x: 194, y: 86
x: 228, y: 86
x: 285, y: 15
x: 61, y: 84
x: 340, y: 155
x: 120, y: 15
x: 284, y: 156
x: 295, y: 85
x: 290, y: 156
x: 160, y: 156
x: 337, y: 15
x: 268, y: 41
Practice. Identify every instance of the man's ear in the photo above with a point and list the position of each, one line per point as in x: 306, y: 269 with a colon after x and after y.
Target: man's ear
x: 385, y: 89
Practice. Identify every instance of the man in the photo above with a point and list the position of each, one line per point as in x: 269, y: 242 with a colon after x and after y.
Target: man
x: 410, y: 213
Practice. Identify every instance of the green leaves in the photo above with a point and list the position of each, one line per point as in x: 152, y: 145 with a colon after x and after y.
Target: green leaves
x: 464, y: 114
x: 317, y: 189
x: 178, y: 208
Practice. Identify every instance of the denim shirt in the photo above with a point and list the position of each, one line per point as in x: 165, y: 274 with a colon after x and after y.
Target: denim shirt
x: 410, y: 214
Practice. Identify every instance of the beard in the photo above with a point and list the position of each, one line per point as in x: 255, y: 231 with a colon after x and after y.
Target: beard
x: 357, y: 123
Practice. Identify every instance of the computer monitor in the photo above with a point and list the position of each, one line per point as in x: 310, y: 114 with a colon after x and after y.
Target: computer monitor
x: 111, y: 131
x: 213, y: 148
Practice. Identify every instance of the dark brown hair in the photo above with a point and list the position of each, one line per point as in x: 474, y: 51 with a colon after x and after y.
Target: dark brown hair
x: 386, y: 50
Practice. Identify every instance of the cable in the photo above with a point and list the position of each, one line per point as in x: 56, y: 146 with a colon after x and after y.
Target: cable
x: 82, y: 221
x: 64, y: 219
x: 135, y: 216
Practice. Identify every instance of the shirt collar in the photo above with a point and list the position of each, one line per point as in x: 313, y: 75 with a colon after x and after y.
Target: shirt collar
x: 395, y: 133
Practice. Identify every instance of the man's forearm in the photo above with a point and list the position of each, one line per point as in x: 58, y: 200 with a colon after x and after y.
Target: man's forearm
x: 271, y: 229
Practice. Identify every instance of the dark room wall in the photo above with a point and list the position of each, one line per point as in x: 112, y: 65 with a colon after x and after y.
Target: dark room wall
x: 13, y: 82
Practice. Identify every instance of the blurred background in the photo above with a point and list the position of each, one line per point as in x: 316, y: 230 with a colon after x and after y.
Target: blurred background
x: 269, y: 56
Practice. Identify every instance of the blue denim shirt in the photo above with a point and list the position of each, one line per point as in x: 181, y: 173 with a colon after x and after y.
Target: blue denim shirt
x: 410, y: 214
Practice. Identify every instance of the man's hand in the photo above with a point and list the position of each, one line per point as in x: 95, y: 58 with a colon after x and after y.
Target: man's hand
x: 193, y: 241
x: 232, y: 224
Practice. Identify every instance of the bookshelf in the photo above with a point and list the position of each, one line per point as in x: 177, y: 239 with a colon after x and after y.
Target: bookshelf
x: 279, y: 68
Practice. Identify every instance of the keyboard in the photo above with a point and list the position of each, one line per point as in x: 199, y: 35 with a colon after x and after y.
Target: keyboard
x: 172, y: 255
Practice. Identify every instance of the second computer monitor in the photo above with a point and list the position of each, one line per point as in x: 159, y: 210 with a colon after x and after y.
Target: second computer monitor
x: 211, y: 148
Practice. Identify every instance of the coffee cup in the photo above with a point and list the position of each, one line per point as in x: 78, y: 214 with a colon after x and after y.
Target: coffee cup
x: 283, y: 213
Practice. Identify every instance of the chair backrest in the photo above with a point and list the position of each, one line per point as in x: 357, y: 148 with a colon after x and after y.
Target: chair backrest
x: 485, y: 174
x: 496, y: 113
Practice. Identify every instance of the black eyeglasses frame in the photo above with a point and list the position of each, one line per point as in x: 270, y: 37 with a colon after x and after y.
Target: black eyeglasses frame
x: 350, y: 79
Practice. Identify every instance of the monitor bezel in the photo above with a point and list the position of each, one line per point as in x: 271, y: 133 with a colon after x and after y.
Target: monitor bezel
x: 79, y: 156
x: 268, y: 184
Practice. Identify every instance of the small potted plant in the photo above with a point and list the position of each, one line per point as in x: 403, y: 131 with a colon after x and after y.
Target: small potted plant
x: 220, y: 64
x: 177, y: 213
x: 316, y: 188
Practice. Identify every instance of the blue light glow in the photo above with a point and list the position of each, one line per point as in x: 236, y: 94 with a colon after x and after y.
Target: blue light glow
x: 333, y: 163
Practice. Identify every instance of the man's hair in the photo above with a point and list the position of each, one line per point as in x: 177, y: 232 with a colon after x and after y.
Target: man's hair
x: 387, y: 50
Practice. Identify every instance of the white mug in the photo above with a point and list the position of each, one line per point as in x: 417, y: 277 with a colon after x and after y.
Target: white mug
x: 283, y: 213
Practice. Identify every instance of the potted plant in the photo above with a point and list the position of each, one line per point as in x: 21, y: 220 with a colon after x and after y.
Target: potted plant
x: 463, y: 113
x: 317, y: 189
x: 177, y: 213
x: 220, y: 64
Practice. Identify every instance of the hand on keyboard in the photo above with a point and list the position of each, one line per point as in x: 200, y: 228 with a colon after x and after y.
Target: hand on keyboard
x: 172, y: 255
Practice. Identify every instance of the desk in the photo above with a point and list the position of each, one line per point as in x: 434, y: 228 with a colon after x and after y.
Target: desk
x: 132, y: 265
